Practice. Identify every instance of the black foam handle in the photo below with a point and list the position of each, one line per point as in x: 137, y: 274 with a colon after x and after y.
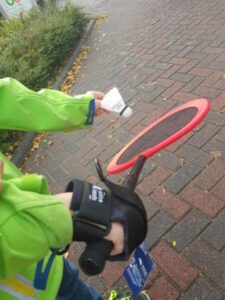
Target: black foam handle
x: 92, y: 261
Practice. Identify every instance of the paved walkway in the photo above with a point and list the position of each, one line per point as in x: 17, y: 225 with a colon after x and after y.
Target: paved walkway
x: 160, y: 53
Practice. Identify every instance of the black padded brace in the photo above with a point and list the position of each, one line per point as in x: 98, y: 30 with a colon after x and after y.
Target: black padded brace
x: 92, y: 207
x: 126, y: 194
x: 76, y: 187
x: 128, y: 209
x: 96, y: 208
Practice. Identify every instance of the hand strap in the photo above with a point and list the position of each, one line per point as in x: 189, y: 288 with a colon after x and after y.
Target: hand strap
x: 92, y: 206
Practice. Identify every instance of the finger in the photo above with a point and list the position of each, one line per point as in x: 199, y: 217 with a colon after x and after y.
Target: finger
x: 97, y: 107
x: 116, y: 236
x: 96, y: 94
x: 117, y: 248
x: 116, y: 251
x: 97, y: 112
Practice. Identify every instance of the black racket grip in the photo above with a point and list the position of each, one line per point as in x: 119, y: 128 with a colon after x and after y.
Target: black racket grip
x: 132, y: 178
x: 92, y: 260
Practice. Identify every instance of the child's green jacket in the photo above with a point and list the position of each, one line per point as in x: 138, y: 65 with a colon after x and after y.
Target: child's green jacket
x: 31, y: 220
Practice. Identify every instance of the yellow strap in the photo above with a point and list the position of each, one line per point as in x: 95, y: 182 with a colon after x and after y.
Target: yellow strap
x: 19, y: 287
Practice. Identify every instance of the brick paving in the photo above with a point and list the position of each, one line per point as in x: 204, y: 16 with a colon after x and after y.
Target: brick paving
x: 159, y: 54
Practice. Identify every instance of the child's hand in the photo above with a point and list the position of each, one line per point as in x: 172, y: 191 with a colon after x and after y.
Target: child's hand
x: 1, y: 173
x: 116, y: 236
x: 98, y: 98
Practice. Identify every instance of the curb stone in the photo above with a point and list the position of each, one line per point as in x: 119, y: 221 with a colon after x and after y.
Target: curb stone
x: 27, y: 140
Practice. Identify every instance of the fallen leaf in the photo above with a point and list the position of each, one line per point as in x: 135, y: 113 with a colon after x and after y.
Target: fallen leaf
x: 152, y: 82
x: 99, y: 20
x: 163, y: 190
x: 215, y: 154
x: 69, y: 81
x: 182, y: 161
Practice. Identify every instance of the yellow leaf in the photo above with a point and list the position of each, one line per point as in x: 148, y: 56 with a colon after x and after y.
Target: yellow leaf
x: 164, y: 192
x: 182, y: 161
x: 215, y: 154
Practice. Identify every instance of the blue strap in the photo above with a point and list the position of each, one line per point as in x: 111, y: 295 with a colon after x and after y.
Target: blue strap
x: 41, y: 278
x: 91, y: 113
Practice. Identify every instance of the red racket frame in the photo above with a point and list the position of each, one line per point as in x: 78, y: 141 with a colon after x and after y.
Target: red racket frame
x: 202, y: 106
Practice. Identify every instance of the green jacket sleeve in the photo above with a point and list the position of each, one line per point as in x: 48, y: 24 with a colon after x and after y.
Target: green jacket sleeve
x: 46, y: 110
x: 31, y: 222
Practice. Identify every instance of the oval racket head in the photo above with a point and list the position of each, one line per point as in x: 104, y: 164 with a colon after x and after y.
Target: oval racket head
x: 160, y: 134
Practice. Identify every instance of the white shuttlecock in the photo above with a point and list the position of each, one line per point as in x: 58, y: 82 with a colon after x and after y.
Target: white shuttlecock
x: 113, y: 101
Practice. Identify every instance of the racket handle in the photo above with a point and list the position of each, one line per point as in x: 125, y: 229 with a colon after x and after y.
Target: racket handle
x: 92, y: 261
x: 132, y: 179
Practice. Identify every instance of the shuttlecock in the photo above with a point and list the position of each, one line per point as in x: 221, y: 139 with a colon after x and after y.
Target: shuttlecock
x: 113, y: 101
